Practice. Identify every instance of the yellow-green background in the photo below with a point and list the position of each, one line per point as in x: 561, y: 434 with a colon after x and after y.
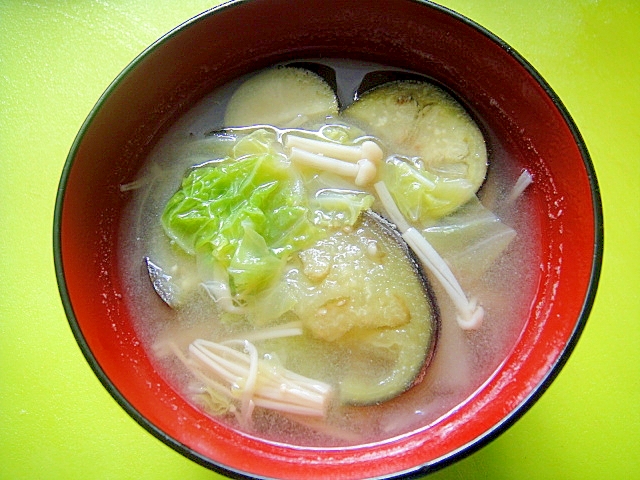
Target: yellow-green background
x: 57, y: 421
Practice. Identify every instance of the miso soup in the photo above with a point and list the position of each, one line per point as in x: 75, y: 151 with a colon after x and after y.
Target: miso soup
x: 328, y: 253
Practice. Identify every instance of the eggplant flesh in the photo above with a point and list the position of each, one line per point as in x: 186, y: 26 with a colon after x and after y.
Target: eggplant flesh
x: 367, y: 308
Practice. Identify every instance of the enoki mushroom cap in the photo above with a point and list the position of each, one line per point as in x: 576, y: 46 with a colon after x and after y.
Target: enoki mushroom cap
x: 371, y: 151
x: 366, y: 174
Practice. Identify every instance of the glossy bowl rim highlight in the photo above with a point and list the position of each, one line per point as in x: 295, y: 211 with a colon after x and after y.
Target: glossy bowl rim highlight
x: 350, y: 464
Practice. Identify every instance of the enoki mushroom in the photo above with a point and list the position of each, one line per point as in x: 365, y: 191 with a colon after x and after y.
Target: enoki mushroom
x: 233, y: 369
x: 470, y: 314
x: 357, y: 161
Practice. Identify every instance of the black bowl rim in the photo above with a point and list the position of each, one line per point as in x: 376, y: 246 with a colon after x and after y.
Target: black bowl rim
x: 419, y: 470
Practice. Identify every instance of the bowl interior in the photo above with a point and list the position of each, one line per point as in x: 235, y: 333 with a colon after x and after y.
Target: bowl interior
x: 520, y: 115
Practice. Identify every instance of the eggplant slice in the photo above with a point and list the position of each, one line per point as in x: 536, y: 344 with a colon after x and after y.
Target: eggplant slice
x: 283, y: 97
x: 369, y: 309
x: 440, y: 158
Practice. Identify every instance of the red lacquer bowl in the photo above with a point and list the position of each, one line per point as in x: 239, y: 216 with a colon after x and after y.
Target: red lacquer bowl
x: 524, y: 117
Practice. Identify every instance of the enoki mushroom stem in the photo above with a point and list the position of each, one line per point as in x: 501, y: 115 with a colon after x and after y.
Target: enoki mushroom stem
x: 470, y: 314
x: 524, y: 180
x: 234, y: 369
x: 349, y: 153
x: 357, y: 161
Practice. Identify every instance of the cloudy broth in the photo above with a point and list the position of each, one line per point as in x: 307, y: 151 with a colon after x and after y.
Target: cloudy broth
x: 463, y: 359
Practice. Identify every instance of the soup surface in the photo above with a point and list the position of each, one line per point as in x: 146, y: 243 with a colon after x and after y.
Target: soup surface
x: 328, y: 253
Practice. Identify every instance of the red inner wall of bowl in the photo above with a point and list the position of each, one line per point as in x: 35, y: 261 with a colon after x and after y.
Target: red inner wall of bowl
x: 496, y: 87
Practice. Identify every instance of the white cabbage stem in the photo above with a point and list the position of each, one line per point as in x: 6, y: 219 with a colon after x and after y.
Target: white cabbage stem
x: 220, y: 292
x: 470, y: 314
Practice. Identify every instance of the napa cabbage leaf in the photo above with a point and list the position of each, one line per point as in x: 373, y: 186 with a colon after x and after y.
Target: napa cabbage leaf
x: 248, y: 212
x: 423, y: 195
